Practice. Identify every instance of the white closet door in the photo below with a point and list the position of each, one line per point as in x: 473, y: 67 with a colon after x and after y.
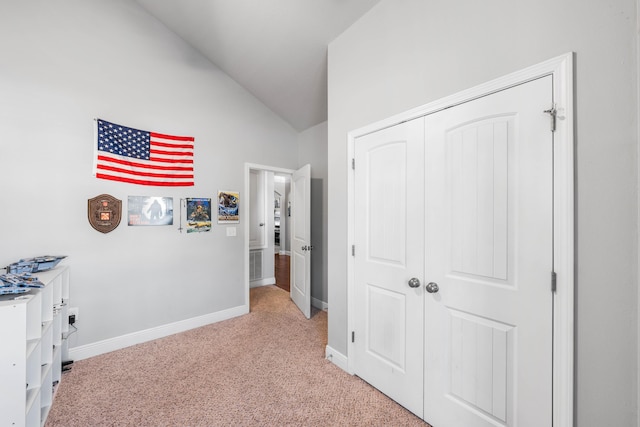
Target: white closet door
x: 489, y: 237
x: 389, y: 224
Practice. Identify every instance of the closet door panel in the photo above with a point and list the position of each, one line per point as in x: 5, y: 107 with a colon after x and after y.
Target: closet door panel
x: 489, y: 248
x: 389, y: 235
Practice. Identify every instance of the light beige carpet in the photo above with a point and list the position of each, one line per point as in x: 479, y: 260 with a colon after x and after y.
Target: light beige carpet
x: 266, y: 368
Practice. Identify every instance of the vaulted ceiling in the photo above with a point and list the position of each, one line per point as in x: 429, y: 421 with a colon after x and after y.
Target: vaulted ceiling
x: 276, y: 49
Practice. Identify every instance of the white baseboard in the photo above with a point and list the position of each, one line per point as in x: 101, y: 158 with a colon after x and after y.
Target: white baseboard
x: 262, y: 282
x: 337, y: 358
x: 288, y: 253
x: 117, y: 343
x: 319, y: 304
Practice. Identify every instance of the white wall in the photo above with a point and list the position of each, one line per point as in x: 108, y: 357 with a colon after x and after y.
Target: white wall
x: 66, y: 62
x: 312, y: 146
x: 403, y: 54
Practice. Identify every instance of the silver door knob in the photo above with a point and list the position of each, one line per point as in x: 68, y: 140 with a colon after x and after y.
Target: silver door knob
x: 414, y: 283
x: 432, y: 287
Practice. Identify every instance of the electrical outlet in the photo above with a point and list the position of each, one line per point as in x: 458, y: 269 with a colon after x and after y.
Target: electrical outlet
x: 73, y: 311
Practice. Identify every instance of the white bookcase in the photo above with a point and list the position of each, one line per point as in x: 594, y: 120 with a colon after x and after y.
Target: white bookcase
x: 33, y: 327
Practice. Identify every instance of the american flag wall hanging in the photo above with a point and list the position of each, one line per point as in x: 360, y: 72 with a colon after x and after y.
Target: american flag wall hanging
x: 142, y: 157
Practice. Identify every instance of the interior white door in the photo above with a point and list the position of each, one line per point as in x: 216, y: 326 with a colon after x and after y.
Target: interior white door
x: 300, y: 289
x: 489, y: 241
x: 257, y: 215
x: 389, y: 262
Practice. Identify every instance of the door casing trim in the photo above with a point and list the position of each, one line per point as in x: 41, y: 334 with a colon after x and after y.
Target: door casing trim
x: 561, y: 70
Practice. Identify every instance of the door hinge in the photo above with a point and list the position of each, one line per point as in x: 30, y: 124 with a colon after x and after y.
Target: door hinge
x: 553, y: 113
x: 553, y: 281
x: 353, y: 164
x: 353, y: 250
x: 353, y: 336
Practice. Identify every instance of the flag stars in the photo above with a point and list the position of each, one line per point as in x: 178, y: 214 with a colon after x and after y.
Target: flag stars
x: 123, y: 141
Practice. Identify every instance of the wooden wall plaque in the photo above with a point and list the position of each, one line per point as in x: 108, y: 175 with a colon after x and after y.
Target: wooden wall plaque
x: 104, y: 212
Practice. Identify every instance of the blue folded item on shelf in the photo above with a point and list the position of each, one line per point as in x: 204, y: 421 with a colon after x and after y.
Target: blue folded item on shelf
x: 12, y: 290
x: 34, y: 265
x: 21, y: 280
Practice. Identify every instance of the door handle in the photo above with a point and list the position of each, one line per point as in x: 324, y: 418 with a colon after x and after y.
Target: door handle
x: 262, y: 224
x: 414, y: 283
x: 432, y: 287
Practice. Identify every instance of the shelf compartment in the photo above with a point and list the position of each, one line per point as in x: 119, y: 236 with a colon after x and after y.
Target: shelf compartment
x: 57, y: 327
x: 57, y: 361
x: 31, y: 346
x: 33, y: 372
x: 33, y: 408
x: 46, y: 389
x: 34, y: 316
x: 47, y: 344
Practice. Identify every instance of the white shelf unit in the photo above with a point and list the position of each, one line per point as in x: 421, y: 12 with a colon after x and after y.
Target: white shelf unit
x: 34, y: 327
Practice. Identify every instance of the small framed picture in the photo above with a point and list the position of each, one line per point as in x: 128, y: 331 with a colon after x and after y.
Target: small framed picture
x: 228, y: 207
x: 198, y: 215
x: 144, y: 210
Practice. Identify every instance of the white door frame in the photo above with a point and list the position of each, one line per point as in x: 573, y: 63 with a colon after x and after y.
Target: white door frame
x: 561, y: 69
x: 245, y: 209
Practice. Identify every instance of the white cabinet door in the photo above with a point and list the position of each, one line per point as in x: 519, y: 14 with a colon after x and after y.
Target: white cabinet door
x: 389, y: 236
x: 300, y: 289
x: 489, y: 241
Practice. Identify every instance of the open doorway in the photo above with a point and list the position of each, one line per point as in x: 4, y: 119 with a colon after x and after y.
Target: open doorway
x: 283, y: 201
x: 268, y: 223
x: 281, y: 219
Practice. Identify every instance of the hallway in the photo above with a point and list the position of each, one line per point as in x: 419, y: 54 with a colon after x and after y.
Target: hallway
x: 282, y: 268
